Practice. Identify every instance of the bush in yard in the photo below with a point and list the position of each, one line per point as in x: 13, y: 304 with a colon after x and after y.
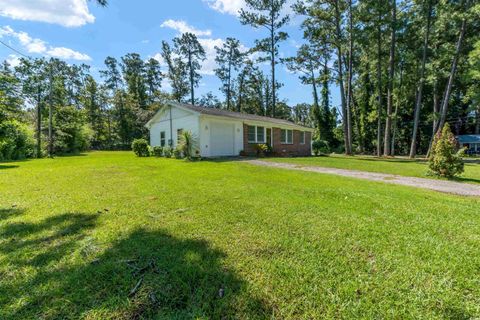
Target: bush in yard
x: 178, y: 153
x: 16, y: 141
x: 157, y: 151
x: 188, y: 144
x: 320, y: 147
x: 140, y: 147
x: 261, y: 149
x: 445, y: 158
x: 167, y: 152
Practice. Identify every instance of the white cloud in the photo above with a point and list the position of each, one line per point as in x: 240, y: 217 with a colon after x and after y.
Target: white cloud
x: 157, y: 56
x: 182, y: 27
x: 38, y: 46
x: 13, y: 60
x: 233, y: 6
x: 209, y: 64
x: 226, y: 6
x: 68, y: 54
x: 68, y: 13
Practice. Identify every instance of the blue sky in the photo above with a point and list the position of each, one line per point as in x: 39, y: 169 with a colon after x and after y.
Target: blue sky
x: 80, y: 31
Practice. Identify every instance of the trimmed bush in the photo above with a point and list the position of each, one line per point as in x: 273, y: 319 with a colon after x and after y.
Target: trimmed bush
x: 320, y: 147
x: 167, y: 152
x: 178, y: 153
x: 140, y: 148
x: 157, y: 151
x: 445, y: 157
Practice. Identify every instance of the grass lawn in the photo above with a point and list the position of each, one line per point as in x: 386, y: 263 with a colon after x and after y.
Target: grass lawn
x: 110, y: 236
x: 399, y: 166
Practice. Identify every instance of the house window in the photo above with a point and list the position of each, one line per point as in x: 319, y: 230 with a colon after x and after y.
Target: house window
x: 286, y: 136
x: 261, y: 134
x: 302, y: 137
x: 256, y: 134
x: 162, y: 139
x: 251, y: 134
x: 179, y: 134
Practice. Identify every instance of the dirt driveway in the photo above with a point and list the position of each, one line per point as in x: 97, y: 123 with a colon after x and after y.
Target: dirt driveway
x: 458, y: 188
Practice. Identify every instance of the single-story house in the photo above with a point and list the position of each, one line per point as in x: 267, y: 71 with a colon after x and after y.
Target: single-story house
x: 227, y: 133
x: 471, y: 142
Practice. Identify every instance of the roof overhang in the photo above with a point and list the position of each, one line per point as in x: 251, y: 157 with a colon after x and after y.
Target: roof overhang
x: 165, y: 108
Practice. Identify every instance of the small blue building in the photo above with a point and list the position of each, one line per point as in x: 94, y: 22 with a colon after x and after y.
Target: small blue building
x: 471, y: 142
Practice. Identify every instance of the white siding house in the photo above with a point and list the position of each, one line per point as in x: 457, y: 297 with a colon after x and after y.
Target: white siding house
x: 218, y: 132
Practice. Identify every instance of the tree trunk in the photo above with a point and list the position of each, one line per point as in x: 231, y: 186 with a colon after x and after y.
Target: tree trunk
x: 348, y: 150
x: 477, y: 120
x: 395, y: 117
x: 240, y: 92
x: 391, y: 74
x: 50, y: 117
x: 379, y: 82
x: 418, y: 104
x: 192, y: 93
x: 39, y: 125
x: 448, y: 89
x: 314, y: 88
x: 340, y: 78
x: 272, y: 48
x: 436, y: 104
x: 229, y: 81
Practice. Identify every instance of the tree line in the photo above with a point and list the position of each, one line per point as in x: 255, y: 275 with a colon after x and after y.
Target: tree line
x: 402, y: 70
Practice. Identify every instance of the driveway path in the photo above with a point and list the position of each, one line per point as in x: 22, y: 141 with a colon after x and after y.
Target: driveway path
x: 458, y: 188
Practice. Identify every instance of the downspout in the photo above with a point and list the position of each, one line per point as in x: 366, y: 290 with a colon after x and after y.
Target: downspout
x: 171, y: 129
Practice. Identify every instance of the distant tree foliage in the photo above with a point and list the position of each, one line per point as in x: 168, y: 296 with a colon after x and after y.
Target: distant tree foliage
x: 403, y: 71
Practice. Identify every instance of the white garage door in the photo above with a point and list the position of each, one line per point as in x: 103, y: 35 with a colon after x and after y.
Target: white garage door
x: 222, y: 139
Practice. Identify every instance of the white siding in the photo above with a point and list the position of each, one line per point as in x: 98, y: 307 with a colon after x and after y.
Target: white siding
x: 180, y: 120
x: 207, y: 122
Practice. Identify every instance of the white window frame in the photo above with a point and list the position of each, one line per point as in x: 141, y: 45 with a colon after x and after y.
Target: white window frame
x: 256, y: 134
x: 163, y: 142
x: 179, y: 133
x: 302, y: 137
x: 286, y: 136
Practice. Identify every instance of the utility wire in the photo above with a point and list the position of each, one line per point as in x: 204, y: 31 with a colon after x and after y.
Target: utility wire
x: 15, y: 50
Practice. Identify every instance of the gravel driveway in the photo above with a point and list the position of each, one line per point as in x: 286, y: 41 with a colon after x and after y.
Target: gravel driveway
x: 458, y: 188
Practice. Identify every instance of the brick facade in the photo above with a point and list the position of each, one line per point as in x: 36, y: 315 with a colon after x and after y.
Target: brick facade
x: 279, y: 149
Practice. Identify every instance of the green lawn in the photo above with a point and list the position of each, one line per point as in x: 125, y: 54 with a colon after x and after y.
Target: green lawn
x: 110, y: 236
x: 400, y: 166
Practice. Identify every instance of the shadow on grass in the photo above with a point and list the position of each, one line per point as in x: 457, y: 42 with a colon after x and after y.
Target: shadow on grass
x: 7, y: 166
x: 146, y: 274
x: 7, y: 213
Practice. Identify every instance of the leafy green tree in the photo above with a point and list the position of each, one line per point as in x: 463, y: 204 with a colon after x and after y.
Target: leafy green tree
x: 267, y: 14
x: 34, y: 87
x: 177, y: 72
x: 153, y: 79
x: 188, y: 47
x: 229, y: 59
x: 445, y: 159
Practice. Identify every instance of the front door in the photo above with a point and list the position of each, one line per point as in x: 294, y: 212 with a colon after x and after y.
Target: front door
x: 269, y: 137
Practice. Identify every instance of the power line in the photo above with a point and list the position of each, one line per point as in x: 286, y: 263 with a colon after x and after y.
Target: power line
x: 11, y: 48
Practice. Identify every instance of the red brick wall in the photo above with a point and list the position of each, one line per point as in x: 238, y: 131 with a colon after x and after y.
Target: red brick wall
x: 285, y: 150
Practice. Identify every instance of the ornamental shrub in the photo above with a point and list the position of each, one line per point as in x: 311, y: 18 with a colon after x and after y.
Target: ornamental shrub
x: 178, y: 153
x: 445, y: 158
x: 261, y: 149
x: 16, y: 141
x: 320, y: 147
x: 188, y: 144
x: 167, y: 152
x: 140, y: 147
x: 157, y: 151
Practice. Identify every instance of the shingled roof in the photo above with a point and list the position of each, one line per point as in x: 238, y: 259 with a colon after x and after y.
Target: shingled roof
x: 238, y: 115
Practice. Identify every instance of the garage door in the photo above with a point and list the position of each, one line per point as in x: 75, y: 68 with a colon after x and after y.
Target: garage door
x: 222, y: 139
